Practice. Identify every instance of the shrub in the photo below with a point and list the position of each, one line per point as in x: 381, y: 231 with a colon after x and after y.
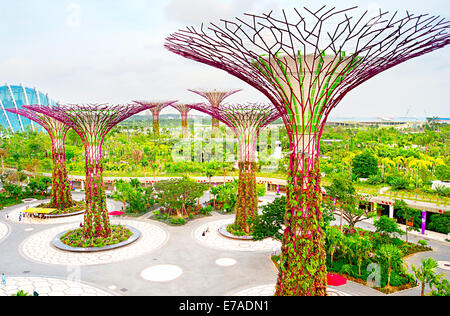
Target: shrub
x: 400, y: 183
x: 423, y: 243
x: 443, y: 191
x: 206, y: 210
x: 374, y: 179
x: 261, y: 190
x: 347, y: 269
x: 440, y: 223
x: 177, y: 221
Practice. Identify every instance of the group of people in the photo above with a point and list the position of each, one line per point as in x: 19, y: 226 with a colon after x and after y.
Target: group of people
x: 205, y: 232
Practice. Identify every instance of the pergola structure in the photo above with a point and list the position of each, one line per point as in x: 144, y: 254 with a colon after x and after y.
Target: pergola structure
x: 215, y: 98
x: 305, y: 62
x: 184, y: 109
x: 92, y: 122
x: 156, y: 111
x: 246, y: 121
x: 61, y: 196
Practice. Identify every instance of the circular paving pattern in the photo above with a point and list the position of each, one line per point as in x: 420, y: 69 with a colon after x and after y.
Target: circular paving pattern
x: 213, y: 239
x: 3, y: 231
x: 49, y: 287
x: 269, y: 290
x: 38, y: 247
x: 226, y: 262
x: 162, y: 273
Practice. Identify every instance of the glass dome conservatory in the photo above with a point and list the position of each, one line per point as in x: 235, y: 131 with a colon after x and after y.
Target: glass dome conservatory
x: 14, y: 97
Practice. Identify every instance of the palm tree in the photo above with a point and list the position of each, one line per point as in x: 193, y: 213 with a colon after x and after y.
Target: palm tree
x: 334, y: 238
x: 386, y: 162
x: 390, y: 255
x: 426, y: 273
x: 362, y: 248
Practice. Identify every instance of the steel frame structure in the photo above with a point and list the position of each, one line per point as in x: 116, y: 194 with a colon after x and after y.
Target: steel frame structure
x: 92, y: 122
x: 246, y: 121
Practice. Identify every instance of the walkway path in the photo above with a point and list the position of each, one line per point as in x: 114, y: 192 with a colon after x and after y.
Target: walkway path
x: 178, y: 262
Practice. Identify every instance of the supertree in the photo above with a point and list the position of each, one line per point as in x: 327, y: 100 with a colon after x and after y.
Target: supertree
x: 305, y: 63
x: 246, y: 121
x: 92, y: 122
x: 61, y: 196
x: 184, y: 109
x: 156, y: 110
x: 215, y: 98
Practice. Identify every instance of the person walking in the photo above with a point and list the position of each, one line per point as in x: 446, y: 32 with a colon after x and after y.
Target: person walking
x: 3, y: 279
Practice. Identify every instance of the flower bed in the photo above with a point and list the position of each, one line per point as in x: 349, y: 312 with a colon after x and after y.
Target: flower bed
x: 76, y: 239
x: 235, y: 230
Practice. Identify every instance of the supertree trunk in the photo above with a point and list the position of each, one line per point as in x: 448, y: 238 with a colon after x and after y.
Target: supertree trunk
x: 156, y: 125
x: 61, y: 196
x: 184, y: 124
x: 96, y: 219
x: 247, y: 201
x: 92, y: 122
x: 303, y: 258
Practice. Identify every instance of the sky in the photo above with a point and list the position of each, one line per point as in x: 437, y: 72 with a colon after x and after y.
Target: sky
x: 112, y: 51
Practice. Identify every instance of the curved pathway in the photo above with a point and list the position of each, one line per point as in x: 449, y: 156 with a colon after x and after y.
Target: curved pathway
x: 215, y: 240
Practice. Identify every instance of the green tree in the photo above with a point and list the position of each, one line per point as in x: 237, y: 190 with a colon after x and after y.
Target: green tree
x: 270, y: 222
x: 365, y: 165
x: 348, y: 201
x: 408, y: 214
x: 386, y: 226
x: 176, y: 194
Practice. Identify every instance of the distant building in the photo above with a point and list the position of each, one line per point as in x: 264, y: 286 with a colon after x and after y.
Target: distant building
x: 440, y: 119
x: 400, y: 122
x: 14, y: 97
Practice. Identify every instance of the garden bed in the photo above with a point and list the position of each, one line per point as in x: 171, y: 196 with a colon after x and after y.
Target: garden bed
x: 73, y: 240
x: 228, y: 232
x: 77, y: 208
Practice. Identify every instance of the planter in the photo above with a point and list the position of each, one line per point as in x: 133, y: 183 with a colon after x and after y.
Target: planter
x: 61, y: 246
x: 223, y: 231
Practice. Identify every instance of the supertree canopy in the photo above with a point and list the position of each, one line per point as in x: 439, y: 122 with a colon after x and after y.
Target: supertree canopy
x: 184, y: 109
x: 215, y: 98
x: 61, y: 196
x: 305, y: 62
x: 246, y: 121
x: 156, y: 110
x: 92, y: 122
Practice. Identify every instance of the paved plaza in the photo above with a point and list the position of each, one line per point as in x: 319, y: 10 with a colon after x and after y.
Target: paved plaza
x: 165, y: 260
x: 49, y: 287
x: 3, y: 231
